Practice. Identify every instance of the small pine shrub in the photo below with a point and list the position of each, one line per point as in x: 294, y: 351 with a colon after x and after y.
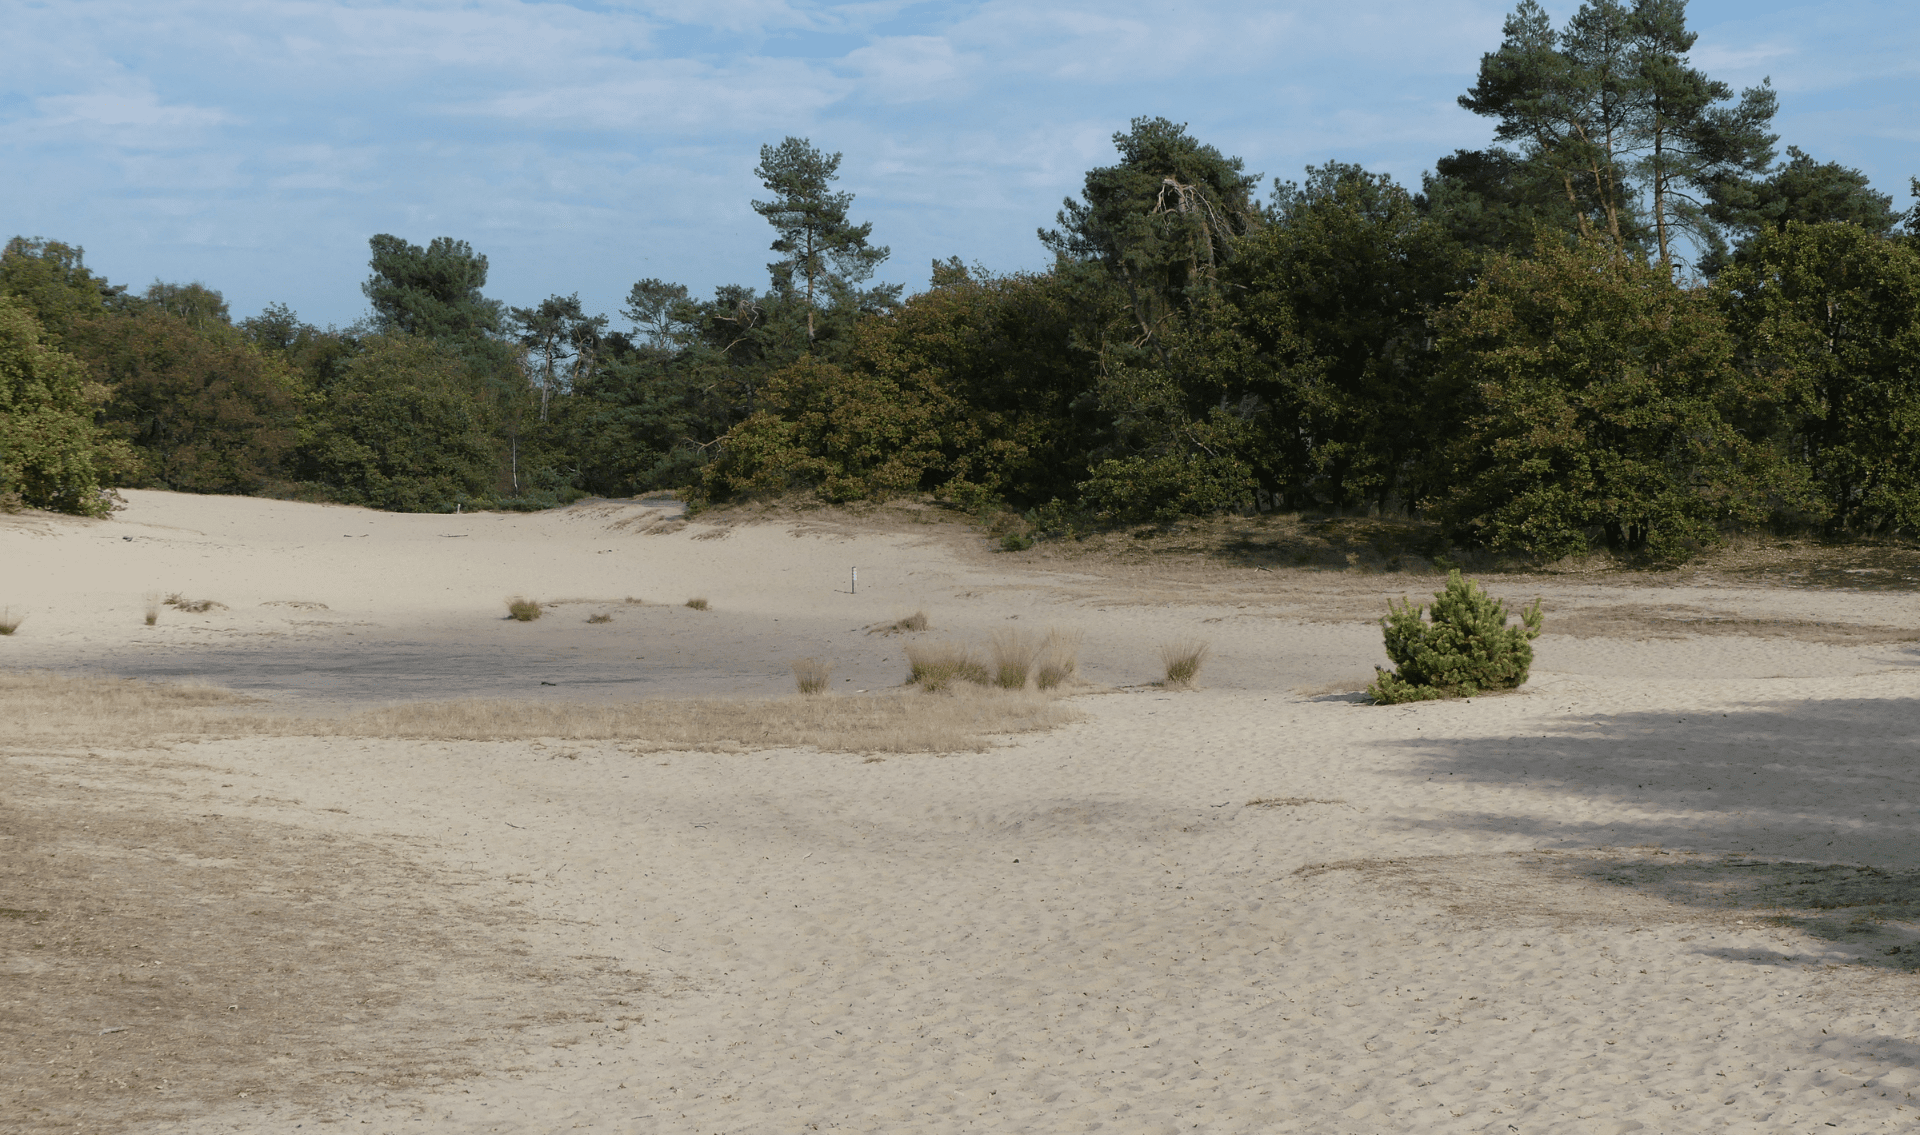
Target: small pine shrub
x: 1059, y: 659
x: 9, y: 624
x: 811, y: 674
x: 697, y: 604
x: 522, y: 610
x: 1183, y: 660
x: 1465, y: 647
x: 1015, y: 542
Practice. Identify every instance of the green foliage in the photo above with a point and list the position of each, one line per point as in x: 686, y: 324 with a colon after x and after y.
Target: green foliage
x: 824, y: 253
x: 1831, y: 314
x: 432, y: 291
x: 1590, y: 399
x: 52, y: 280
x: 1160, y: 490
x: 52, y: 456
x: 404, y: 427
x: 1466, y: 647
x: 523, y: 610
x: 206, y: 410
x: 1804, y: 191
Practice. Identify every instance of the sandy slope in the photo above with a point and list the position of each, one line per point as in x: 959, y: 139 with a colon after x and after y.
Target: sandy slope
x: 1606, y: 903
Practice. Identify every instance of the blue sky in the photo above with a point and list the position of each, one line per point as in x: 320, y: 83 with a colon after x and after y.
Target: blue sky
x: 255, y: 145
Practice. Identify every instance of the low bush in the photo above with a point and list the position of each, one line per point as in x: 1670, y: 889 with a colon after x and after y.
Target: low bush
x: 9, y: 624
x: 698, y: 604
x: 1464, y: 647
x: 522, y: 610
x: 600, y: 618
x: 153, y: 608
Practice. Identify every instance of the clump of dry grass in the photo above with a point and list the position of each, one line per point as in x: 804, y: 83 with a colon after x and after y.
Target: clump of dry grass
x: 1059, y: 659
x: 522, y: 610
x: 1013, y: 653
x: 913, y: 623
x: 1183, y: 659
x: 935, y: 666
x: 153, y: 607
x: 41, y: 707
x: 180, y: 602
x: 72, y: 712
x: 601, y: 617
x: 698, y: 604
x: 8, y: 623
x: 811, y: 674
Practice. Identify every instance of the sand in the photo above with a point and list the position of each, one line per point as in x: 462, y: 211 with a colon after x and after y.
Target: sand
x: 1671, y: 885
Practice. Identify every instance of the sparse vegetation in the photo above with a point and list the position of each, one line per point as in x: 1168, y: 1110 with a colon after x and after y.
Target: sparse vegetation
x: 698, y: 604
x: 63, y: 710
x: 935, y: 666
x: 153, y: 607
x: 1183, y: 659
x: 1059, y: 659
x: 810, y: 675
x: 180, y: 602
x: 1015, y: 542
x: 8, y: 623
x: 522, y: 610
x: 601, y: 617
x: 1013, y: 653
x: 913, y: 623
x: 1464, y: 648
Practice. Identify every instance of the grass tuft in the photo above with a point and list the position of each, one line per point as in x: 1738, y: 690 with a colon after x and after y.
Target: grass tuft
x: 1013, y: 653
x: 522, y: 610
x: 811, y: 674
x: 912, y: 624
x: 935, y: 666
x: 153, y: 607
x: 1183, y: 660
x: 1059, y: 659
x: 698, y: 604
x: 600, y: 618
x: 180, y: 602
x: 9, y: 624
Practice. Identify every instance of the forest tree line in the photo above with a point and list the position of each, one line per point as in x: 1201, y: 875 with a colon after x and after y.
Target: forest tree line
x: 1629, y: 324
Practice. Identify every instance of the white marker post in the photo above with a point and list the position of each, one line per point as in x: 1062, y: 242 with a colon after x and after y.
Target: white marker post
x: 854, y: 587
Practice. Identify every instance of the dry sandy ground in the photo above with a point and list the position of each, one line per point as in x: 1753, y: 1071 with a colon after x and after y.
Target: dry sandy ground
x: 1672, y: 885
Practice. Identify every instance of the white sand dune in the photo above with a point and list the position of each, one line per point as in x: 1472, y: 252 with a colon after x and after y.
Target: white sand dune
x: 1591, y: 906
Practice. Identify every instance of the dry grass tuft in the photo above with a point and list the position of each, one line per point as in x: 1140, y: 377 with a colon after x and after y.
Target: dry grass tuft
x: 522, y: 610
x: 180, y: 602
x: 153, y: 607
x: 1183, y: 660
x: 1013, y: 653
x: 67, y: 712
x: 600, y: 618
x: 1059, y: 659
x: 698, y: 604
x: 811, y: 674
x: 935, y: 666
x: 913, y: 623
x: 8, y: 623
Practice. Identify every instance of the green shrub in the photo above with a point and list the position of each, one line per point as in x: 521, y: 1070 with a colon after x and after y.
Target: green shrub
x: 1015, y: 542
x: 1465, y: 648
x: 522, y: 610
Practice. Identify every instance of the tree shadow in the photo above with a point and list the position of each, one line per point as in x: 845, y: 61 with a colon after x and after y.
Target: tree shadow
x: 1829, y: 780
